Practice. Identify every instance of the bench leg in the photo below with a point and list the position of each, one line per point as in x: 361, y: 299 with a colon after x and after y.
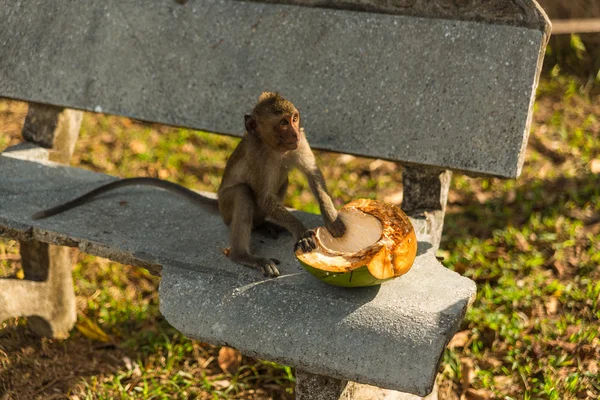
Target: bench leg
x: 315, y: 387
x: 46, y: 296
x: 49, y: 302
x: 425, y: 192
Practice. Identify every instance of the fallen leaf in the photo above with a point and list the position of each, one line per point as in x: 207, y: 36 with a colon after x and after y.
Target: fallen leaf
x: 137, y: 146
x: 591, y: 366
x: 503, y: 382
x: 570, y: 347
x: 490, y: 362
x: 479, y: 394
x: 345, y: 158
x: 386, y: 166
x: 551, y: 306
x: 559, y: 267
x: 221, y: 384
x: 229, y: 360
x: 132, y: 366
x: 394, y: 198
x: 595, y: 166
x: 460, y: 339
x: 467, y: 373
x: 90, y: 330
x: 522, y: 243
x: 511, y: 196
x: 163, y: 173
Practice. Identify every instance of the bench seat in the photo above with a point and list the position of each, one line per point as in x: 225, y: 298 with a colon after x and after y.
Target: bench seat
x: 392, y: 336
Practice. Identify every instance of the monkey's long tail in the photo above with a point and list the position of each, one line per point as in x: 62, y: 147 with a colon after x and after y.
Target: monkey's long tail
x: 155, y: 182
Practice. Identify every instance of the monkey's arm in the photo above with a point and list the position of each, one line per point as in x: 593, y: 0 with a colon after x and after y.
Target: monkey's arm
x: 316, y: 181
x: 281, y: 216
x: 159, y: 183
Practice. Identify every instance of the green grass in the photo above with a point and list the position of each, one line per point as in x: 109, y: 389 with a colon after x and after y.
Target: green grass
x: 532, y: 245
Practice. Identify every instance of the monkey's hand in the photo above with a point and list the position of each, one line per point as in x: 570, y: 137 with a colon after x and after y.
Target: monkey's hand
x: 306, y: 242
x: 336, y: 227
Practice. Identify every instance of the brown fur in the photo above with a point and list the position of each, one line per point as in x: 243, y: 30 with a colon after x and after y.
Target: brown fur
x: 256, y: 177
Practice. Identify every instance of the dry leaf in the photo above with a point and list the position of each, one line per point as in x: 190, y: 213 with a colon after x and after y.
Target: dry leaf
x: 221, y: 384
x: 502, y: 382
x: 591, y: 366
x: 91, y: 331
x: 132, y: 366
x: 479, y: 394
x: 394, y: 198
x: 551, y: 306
x: 345, y: 158
x: 570, y: 347
x: 386, y: 166
x: 163, y: 173
x: 522, y: 243
x: 460, y: 339
x: 229, y: 360
x: 511, y: 196
x: 559, y: 267
x: 467, y: 373
x: 137, y: 146
x: 595, y: 166
x: 490, y: 362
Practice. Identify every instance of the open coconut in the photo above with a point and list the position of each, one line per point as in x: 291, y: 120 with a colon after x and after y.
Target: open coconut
x: 379, y: 244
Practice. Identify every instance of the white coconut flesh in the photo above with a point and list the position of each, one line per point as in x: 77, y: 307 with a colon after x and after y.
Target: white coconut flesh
x: 362, y: 230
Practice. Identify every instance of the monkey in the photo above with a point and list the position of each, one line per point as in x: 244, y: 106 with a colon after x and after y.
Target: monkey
x: 254, y: 183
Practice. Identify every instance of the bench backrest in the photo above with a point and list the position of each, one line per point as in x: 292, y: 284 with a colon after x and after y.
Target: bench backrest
x: 454, y: 93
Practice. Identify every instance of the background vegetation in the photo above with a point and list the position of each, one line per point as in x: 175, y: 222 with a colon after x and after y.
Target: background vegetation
x: 531, y: 244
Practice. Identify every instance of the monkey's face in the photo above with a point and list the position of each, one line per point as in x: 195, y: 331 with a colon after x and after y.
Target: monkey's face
x: 286, y: 130
x: 276, y: 122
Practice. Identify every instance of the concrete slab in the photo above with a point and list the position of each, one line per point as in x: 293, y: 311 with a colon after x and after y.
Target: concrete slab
x: 431, y: 91
x: 390, y: 336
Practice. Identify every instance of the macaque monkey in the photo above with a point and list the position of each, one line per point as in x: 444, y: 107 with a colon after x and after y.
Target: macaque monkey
x: 254, y: 183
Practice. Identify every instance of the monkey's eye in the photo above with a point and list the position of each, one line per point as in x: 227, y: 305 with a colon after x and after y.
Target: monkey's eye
x: 284, y: 122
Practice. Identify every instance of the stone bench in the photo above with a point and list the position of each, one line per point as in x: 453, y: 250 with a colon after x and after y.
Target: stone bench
x: 435, y: 86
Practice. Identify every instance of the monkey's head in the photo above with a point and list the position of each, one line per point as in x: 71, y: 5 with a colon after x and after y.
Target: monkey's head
x: 275, y: 121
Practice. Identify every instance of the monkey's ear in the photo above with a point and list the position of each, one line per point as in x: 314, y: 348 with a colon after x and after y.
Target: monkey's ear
x: 250, y: 123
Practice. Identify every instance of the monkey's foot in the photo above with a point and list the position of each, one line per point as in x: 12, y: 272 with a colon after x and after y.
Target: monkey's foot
x: 268, y: 266
x: 306, y: 242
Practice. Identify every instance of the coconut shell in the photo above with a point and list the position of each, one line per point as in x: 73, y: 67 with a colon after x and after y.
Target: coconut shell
x: 391, y: 256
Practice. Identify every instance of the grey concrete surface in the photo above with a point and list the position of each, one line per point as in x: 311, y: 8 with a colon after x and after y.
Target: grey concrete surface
x: 447, y: 93
x: 45, y: 296
x: 390, y: 336
x: 425, y: 194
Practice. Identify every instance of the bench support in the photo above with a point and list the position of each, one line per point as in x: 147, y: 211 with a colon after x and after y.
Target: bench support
x: 425, y: 193
x: 46, y: 295
x: 315, y: 387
